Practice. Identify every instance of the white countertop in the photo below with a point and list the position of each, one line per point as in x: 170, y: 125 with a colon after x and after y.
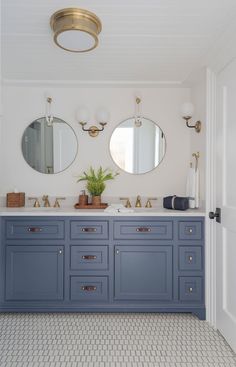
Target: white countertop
x: 138, y: 212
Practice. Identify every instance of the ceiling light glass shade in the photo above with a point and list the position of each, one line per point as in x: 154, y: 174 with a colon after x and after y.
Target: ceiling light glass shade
x: 187, y: 109
x: 75, y: 29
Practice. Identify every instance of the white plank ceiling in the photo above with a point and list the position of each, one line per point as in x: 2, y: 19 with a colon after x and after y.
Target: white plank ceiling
x: 148, y: 41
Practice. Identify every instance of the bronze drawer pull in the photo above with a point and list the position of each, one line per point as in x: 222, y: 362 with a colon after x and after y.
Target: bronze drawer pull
x: 89, y: 257
x: 89, y: 229
x: 34, y: 229
x: 143, y: 229
x: 89, y: 288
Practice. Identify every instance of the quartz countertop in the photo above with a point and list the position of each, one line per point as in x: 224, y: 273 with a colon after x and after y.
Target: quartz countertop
x: 68, y: 211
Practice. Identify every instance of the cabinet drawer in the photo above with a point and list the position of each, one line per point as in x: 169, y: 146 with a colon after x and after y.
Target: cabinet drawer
x: 88, y: 257
x: 89, y: 289
x: 34, y: 229
x: 143, y: 229
x: 89, y: 229
x: 190, y: 258
x: 190, y: 230
x: 190, y: 289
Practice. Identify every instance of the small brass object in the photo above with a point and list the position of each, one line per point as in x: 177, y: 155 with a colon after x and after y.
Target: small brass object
x: 93, y: 130
x: 57, y: 204
x: 128, y: 203
x: 36, y: 203
x: 138, y: 203
x: 148, y: 203
x: 46, y: 201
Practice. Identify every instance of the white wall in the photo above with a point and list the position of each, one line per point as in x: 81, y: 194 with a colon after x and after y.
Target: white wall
x: 198, y: 141
x: 22, y: 104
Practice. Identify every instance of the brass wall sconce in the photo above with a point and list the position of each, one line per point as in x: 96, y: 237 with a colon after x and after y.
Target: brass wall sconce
x: 102, y: 116
x: 187, y: 111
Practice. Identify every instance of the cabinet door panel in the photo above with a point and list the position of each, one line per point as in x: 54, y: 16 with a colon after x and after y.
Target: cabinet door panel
x: 34, y: 273
x: 143, y: 272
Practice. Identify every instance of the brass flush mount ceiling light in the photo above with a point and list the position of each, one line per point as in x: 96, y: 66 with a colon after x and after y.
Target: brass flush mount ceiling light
x: 75, y: 29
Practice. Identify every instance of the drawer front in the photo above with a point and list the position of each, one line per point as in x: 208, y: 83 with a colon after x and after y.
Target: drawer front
x: 34, y: 229
x: 143, y: 229
x: 89, y: 229
x: 191, y: 289
x: 191, y: 230
x: 190, y: 258
x: 89, y: 289
x: 89, y: 257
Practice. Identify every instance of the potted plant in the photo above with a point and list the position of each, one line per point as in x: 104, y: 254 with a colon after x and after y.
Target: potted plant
x: 96, y: 182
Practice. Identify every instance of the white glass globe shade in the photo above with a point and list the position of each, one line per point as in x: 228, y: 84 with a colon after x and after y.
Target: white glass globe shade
x: 102, y: 115
x: 82, y: 114
x: 187, y: 109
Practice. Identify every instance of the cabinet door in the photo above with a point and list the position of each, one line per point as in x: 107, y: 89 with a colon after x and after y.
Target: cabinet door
x: 34, y: 273
x: 143, y: 272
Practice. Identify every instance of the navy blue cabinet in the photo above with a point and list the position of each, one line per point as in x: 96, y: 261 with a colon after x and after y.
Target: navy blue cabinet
x: 143, y: 272
x: 34, y: 273
x: 142, y: 264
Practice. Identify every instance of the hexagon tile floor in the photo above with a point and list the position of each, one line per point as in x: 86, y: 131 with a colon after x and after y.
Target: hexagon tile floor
x: 111, y: 340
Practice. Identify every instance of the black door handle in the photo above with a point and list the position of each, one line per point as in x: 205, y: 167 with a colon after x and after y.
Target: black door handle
x: 216, y: 215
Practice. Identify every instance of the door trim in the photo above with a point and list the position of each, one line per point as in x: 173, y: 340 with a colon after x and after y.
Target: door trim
x: 210, y: 254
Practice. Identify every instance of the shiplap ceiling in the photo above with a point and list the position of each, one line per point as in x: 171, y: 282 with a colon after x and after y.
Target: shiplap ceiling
x: 141, y: 41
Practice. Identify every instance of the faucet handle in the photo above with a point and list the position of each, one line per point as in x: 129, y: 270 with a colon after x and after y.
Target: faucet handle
x: 36, y: 203
x: 148, y: 203
x: 57, y: 204
x: 46, y: 201
x: 127, y: 204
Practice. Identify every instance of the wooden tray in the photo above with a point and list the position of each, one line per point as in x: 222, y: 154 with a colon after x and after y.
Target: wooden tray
x: 90, y: 206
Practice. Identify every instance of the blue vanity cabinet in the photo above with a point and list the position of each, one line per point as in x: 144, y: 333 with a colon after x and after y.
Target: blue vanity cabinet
x: 102, y: 264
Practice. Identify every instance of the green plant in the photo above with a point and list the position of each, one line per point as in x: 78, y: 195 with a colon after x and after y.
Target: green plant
x: 96, y: 180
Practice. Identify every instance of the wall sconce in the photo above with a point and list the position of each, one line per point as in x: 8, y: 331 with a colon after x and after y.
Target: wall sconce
x: 48, y: 115
x: 187, y: 111
x: 102, y: 116
x: 138, y: 113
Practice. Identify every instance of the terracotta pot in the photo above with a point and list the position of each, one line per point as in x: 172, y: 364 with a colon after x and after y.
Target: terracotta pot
x: 96, y: 200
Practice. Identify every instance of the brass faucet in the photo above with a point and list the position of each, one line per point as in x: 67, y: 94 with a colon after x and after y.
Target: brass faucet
x: 46, y: 201
x: 138, y: 203
x: 128, y: 203
x: 148, y: 203
x: 36, y: 203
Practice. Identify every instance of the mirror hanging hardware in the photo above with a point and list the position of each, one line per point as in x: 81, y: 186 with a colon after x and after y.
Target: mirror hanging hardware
x: 93, y: 130
x: 138, y: 114
x: 48, y: 116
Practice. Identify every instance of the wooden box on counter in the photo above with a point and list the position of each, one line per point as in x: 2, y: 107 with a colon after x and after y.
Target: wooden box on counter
x: 15, y: 200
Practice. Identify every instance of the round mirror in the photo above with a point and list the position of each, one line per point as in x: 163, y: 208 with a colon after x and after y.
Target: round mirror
x: 49, y: 147
x: 137, y: 146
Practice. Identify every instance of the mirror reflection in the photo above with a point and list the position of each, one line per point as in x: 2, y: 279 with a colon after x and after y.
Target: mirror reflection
x: 137, y: 146
x: 49, y: 148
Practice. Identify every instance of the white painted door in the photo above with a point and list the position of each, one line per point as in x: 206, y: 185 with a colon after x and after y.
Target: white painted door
x: 226, y: 200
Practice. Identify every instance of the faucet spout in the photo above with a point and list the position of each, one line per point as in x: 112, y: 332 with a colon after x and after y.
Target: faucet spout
x: 138, y: 203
